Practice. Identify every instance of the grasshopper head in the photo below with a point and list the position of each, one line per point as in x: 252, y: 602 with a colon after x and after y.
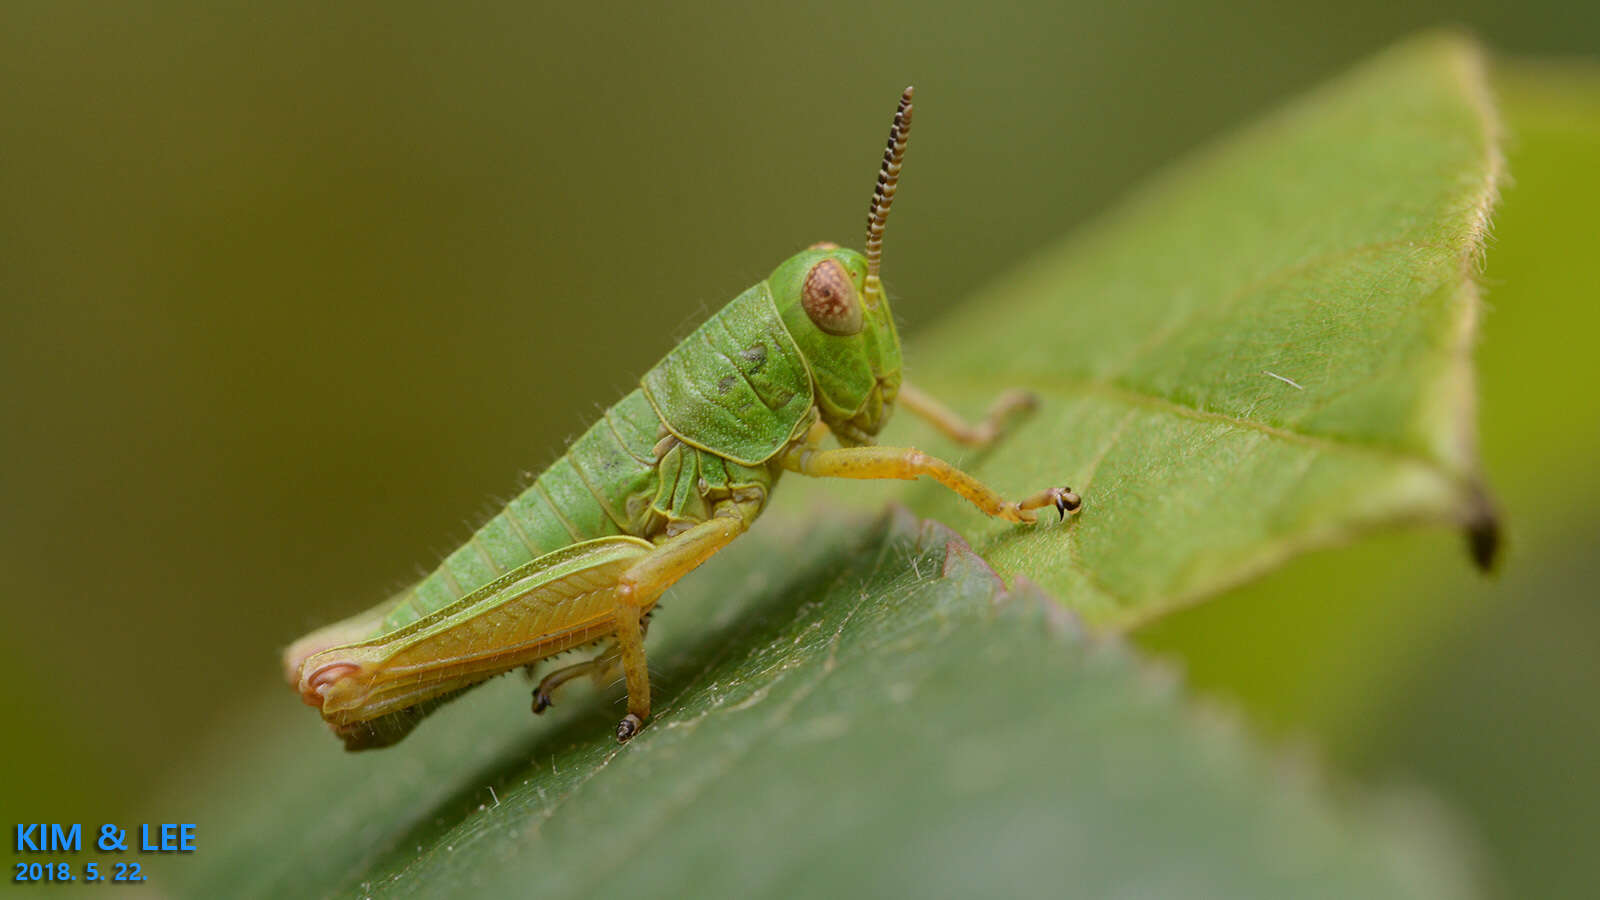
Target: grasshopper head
x: 849, y: 342
x: 834, y: 305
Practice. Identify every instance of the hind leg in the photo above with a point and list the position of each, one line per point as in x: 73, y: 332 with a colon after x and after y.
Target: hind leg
x: 640, y: 585
x: 602, y: 668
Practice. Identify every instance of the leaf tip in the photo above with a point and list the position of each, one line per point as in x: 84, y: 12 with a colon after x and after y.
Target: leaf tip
x: 1482, y: 529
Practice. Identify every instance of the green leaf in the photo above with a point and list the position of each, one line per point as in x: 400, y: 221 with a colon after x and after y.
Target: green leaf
x: 860, y: 709
x: 873, y: 715
x: 1412, y: 653
x: 1380, y: 608
x: 1331, y: 245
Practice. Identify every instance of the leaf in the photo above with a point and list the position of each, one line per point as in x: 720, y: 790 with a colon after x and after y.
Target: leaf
x: 1332, y: 246
x: 874, y: 716
x: 1381, y: 608
x: 1412, y: 653
x: 860, y: 709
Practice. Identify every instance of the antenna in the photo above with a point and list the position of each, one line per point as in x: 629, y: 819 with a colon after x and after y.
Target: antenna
x: 883, y: 195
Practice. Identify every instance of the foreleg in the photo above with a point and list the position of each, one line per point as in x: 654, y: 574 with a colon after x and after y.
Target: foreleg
x: 908, y: 463
x: 1001, y: 412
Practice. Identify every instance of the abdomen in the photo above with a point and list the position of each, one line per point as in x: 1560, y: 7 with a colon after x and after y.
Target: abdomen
x: 603, y: 485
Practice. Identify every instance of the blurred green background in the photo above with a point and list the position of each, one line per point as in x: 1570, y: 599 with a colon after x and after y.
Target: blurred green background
x: 293, y: 294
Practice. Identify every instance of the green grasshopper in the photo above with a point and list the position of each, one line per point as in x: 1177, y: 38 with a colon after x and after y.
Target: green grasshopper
x: 669, y: 476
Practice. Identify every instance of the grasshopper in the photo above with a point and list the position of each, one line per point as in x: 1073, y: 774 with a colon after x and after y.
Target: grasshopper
x: 668, y: 476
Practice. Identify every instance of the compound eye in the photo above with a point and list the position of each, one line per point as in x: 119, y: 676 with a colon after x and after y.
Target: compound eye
x: 829, y: 298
